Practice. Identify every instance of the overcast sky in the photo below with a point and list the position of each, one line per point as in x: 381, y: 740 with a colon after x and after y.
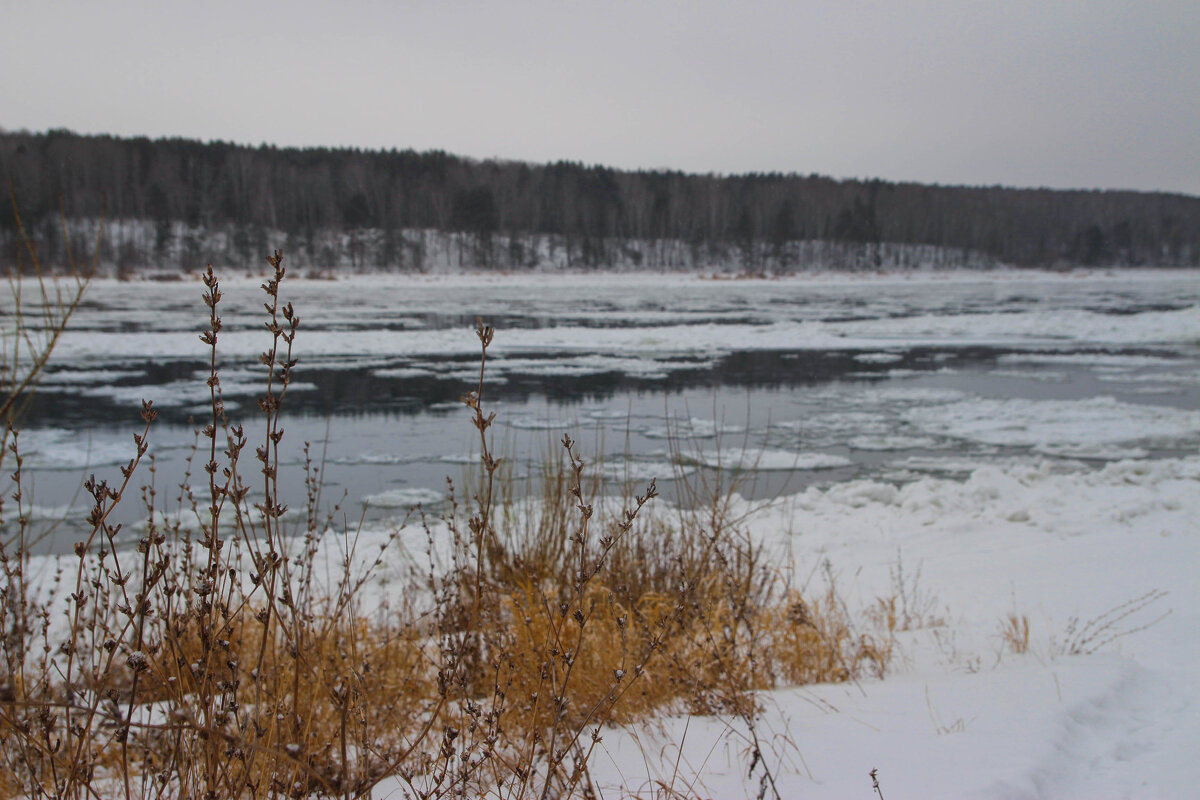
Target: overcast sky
x: 1063, y: 93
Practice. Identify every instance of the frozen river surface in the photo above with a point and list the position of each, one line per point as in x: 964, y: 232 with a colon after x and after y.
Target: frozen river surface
x: 791, y: 383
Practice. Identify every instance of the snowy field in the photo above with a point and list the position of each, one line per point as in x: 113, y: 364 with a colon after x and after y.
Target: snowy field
x: 1026, y: 444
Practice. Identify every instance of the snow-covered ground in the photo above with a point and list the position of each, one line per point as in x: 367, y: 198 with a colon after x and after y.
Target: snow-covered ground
x: 962, y: 715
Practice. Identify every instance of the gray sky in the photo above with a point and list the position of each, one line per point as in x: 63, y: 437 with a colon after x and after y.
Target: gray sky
x: 1063, y: 93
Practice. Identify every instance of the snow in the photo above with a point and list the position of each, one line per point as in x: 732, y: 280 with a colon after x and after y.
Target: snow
x: 961, y: 715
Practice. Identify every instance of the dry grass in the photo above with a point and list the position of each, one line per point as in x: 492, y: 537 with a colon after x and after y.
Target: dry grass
x: 216, y: 661
x: 1014, y: 632
x: 1085, y: 638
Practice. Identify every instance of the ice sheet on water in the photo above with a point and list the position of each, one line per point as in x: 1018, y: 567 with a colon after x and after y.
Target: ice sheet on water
x: 204, y: 410
x: 373, y: 457
x: 195, y: 519
x: 1182, y: 378
x: 1151, y: 389
x: 1048, y: 376
x: 183, y: 393
x: 910, y: 395
x: 1069, y: 327
x: 895, y: 442
x: 403, y: 498
x: 470, y: 376
x: 1092, y: 451
x: 641, y: 472
x: 531, y: 423
x: 1065, y: 325
x: 57, y: 448
x: 76, y: 377
x: 462, y: 458
x: 878, y: 358
x: 829, y: 429
x: 956, y: 465
x: 1120, y: 360
x: 403, y: 373
x: 870, y: 415
x: 903, y: 373
x: 702, y: 318
x: 693, y: 428
x: 51, y: 513
x: 447, y: 405
x: 340, y: 362
x: 607, y: 414
x: 576, y: 366
x: 766, y: 459
x: 1019, y: 422
x: 844, y: 395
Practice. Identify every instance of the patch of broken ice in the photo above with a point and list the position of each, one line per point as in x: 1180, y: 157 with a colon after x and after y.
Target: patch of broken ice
x: 640, y: 472
x: 1185, y: 378
x: 373, y: 457
x: 879, y: 358
x: 403, y: 498
x: 766, y: 459
x: 182, y: 393
x: 1088, y: 359
x: 74, y: 377
x: 403, y: 373
x: 693, y: 428
x: 1019, y: 422
x: 894, y: 442
x: 1092, y: 451
x: 1049, y: 376
x: 58, y: 448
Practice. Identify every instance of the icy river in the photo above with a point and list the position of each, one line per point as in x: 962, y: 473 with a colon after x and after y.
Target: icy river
x: 788, y: 383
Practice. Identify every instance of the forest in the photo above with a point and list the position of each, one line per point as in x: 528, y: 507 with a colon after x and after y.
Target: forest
x: 171, y: 204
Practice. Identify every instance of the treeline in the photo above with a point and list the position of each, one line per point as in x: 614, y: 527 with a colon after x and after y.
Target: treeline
x: 173, y: 199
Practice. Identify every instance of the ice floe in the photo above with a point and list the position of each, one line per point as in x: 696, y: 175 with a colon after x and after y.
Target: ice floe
x: 1019, y: 422
x: 894, y: 442
x: 693, y: 428
x: 403, y: 498
x: 766, y: 459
